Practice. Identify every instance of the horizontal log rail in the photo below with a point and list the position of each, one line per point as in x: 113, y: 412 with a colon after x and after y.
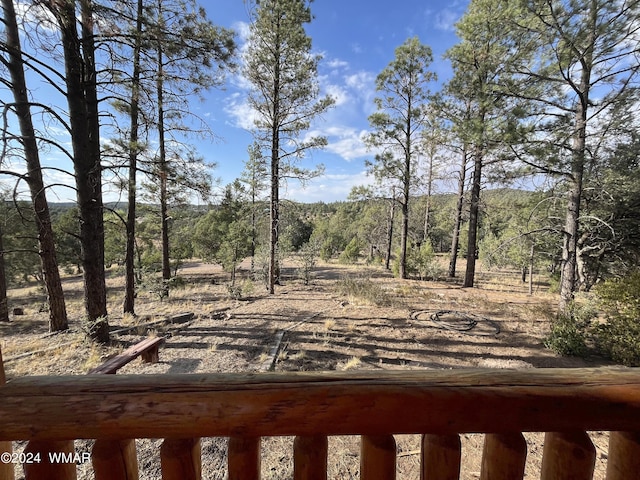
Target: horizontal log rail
x: 311, y: 406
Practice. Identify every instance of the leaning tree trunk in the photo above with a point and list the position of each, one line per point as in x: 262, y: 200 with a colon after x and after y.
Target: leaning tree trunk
x: 474, y: 215
x: 455, y: 237
x: 55, y: 296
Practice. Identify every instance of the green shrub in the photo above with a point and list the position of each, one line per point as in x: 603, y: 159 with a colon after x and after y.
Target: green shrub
x: 619, y: 337
x: 307, y: 257
x: 351, y: 253
x: 554, y: 283
x: 569, y: 331
x: 420, y: 262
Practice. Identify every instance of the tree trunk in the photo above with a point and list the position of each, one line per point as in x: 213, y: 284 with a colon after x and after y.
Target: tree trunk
x: 531, y: 263
x: 83, y: 118
x: 404, y: 236
x: 455, y: 237
x: 474, y: 215
x: 4, y: 304
x: 406, y: 192
x: 162, y: 161
x: 129, y: 261
x: 392, y: 214
x: 568, y: 270
x: 55, y: 296
x: 274, y: 214
x: 427, y: 208
x: 93, y: 238
x: 274, y: 269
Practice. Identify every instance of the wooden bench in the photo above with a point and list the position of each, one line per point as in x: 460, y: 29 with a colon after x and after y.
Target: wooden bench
x: 147, y: 349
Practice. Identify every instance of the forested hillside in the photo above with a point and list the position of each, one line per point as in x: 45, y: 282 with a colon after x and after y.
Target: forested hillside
x: 523, y: 155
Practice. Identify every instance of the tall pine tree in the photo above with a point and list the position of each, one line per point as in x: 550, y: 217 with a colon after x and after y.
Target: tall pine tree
x: 285, y: 96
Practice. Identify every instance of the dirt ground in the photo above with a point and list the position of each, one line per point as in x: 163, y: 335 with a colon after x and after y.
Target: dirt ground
x: 496, y: 325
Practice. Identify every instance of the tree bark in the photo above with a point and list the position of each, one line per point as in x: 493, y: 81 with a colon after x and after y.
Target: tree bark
x: 4, y: 304
x: 474, y: 216
x: 129, y: 261
x: 55, y: 296
x: 162, y: 161
x: 568, y: 272
x: 406, y: 192
x: 455, y: 237
x: 274, y: 213
x: 85, y: 138
x: 274, y: 216
x: 392, y: 214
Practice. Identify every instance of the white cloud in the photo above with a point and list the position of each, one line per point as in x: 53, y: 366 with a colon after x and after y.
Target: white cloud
x: 327, y: 188
x: 339, y: 94
x: 360, y: 81
x: 337, y: 63
x: 348, y: 143
x: 446, y: 20
x: 239, y: 110
x: 36, y: 15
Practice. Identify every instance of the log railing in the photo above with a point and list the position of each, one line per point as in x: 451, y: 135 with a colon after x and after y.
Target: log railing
x: 51, y: 412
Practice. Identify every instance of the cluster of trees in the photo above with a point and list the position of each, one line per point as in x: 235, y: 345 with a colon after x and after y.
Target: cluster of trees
x: 126, y: 68
x: 130, y: 68
x: 540, y: 90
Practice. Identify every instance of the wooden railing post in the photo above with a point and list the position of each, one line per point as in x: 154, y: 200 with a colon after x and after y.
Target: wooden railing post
x: 624, y: 456
x: 440, y: 457
x: 310, y: 458
x: 568, y: 456
x: 7, y: 472
x: 378, y: 457
x: 244, y: 458
x: 503, y: 457
x: 46, y: 451
x: 115, y: 460
x: 181, y: 459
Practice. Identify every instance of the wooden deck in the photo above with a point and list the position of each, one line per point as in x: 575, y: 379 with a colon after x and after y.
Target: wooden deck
x: 51, y: 412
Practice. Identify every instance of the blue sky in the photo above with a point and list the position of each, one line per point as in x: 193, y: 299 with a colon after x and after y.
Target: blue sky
x: 357, y: 39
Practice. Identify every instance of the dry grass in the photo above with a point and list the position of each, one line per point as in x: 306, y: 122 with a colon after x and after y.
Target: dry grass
x: 348, y: 336
x: 351, y: 364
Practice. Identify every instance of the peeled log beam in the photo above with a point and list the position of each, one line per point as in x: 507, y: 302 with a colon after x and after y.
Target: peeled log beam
x: 504, y: 457
x: 7, y: 471
x: 244, y: 458
x: 307, y: 404
x: 378, y: 458
x: 181, y: 459
x: 624, y: 456
x: 567, y: 456
x: 60, y: 469
x: 114, y: 460
x: 3, y: 378
x: 310, y: 458
x: 440, y: 457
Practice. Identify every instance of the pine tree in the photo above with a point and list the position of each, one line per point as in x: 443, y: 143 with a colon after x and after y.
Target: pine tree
x: 28, y: 143
x: 587, y: 68
x: 400, y: 119
x: 283, y: 73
